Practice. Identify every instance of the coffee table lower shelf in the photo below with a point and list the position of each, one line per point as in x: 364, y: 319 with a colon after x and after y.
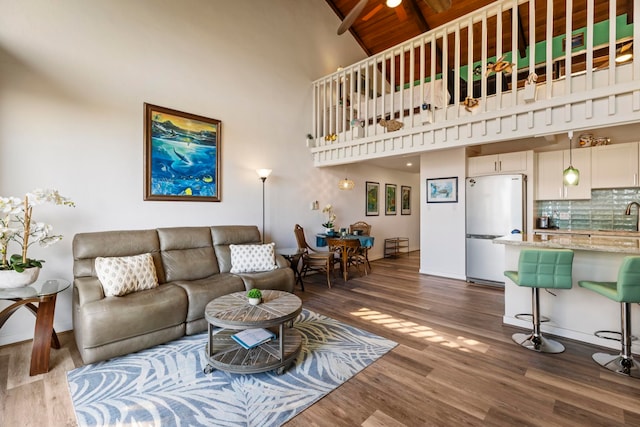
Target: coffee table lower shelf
x: 227, y: 355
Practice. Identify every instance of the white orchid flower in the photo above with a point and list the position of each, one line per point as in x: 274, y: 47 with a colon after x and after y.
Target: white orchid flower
x: 19, y: 212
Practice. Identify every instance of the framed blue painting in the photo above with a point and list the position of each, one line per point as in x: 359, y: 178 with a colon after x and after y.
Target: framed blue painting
x: 182, y: 156
x: 442, y: 190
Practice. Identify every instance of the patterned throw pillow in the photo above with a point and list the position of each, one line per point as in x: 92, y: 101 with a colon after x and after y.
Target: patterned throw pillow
x: 123, y: 275
x: 252, y: 258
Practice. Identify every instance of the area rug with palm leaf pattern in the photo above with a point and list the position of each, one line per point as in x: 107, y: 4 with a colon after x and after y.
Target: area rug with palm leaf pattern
x: 166, y: 385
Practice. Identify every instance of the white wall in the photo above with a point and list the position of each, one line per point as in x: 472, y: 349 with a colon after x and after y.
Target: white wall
x: 73, y: 79
x: 442, y: 239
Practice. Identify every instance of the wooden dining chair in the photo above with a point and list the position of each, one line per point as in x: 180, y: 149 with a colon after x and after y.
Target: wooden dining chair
x: 349, y: 254
x: 365, y: 230
x: 313, y: 259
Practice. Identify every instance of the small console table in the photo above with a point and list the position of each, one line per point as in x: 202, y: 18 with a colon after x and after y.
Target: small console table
x: 394, y: 246
x: 43, y: 293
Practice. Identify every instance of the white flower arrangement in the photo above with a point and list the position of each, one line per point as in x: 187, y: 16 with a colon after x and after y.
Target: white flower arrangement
x: 331, y: 217
x: 17, y: 225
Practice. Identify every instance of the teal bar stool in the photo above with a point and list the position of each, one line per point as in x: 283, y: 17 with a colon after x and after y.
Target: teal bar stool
x: 545, y: 268
x: 625, y: 291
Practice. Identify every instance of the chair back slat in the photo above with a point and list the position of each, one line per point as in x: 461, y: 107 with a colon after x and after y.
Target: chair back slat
x: 299, y: 232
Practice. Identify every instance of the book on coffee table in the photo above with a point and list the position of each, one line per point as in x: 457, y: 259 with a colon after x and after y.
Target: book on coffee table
x: 250, y: 338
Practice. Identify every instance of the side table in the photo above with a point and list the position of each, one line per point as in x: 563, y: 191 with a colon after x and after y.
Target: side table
x: 395, y: 245
x: 43, y: 293
x: 293, y: 255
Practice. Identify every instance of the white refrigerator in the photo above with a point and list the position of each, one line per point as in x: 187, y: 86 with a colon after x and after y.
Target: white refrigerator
x: 495, y: 207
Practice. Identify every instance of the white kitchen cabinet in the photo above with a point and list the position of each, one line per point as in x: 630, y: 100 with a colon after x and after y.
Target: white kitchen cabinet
x: 549, y: 175
x: 615, y: 165
x: 497, y: 164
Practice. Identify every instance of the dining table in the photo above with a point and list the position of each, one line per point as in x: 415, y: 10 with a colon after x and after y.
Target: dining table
x: 340, y: 241
x: 365, y: 241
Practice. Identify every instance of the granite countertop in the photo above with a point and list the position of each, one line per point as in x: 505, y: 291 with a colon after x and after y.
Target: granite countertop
x: 586, y: 242
x: 621, y: 233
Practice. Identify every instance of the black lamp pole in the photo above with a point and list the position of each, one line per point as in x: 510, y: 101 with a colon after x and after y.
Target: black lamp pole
x: 263, y: 174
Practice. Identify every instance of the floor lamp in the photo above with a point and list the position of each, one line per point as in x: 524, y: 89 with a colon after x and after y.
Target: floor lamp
x: 263, y: 174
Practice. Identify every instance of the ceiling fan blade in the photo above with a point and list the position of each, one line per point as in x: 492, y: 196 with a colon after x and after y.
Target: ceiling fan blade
x: 401, y: 13
x: 352, y: 16
x: 373, y: 12
x: 438, y: 5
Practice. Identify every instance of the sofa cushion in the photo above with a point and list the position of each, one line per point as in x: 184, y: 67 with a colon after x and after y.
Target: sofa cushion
x: 112, y: 319
x: 281, y: 279
x: 252, y: 258
x: 225, y: 235
x: 123, y: 275
x: 88, y: 246
x: 201, y: 292
x: 187, y: 253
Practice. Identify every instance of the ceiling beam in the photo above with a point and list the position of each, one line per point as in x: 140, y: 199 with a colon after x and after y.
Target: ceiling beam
x: 423, y: 25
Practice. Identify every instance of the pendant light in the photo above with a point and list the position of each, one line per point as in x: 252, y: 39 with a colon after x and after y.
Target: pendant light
x: 571, y: 175
x: 346, y: 184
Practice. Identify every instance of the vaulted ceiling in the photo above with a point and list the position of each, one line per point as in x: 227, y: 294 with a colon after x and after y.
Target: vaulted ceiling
x: 379, y: 27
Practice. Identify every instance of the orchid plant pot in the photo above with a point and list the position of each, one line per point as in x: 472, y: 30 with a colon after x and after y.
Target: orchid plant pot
x: 14, y: 279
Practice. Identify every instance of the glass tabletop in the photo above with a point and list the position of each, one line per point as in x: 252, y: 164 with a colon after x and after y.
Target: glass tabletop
x: 41, y: 288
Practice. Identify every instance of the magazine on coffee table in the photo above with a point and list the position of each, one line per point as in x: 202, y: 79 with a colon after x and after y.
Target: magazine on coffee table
x: 250, y: 338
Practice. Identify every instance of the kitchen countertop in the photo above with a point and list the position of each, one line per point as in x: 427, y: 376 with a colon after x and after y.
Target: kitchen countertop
x: 600, y: 243
x: 621, y: 233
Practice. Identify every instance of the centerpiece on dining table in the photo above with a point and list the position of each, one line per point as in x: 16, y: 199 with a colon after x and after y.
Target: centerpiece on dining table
x: 329, y: 223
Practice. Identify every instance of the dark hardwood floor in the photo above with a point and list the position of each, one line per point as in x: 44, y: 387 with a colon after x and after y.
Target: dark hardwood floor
x: 455, y: 364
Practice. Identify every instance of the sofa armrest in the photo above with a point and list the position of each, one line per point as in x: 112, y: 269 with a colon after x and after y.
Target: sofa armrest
x: 281, y: 261
x: 88, y: 289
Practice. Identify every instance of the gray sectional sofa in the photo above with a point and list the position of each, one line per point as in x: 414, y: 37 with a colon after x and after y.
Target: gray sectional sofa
x: 192, y: 265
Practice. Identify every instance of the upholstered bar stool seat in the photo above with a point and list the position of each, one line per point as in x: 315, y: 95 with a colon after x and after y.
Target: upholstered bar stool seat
x: 625, y: 291
x: 548, y: 268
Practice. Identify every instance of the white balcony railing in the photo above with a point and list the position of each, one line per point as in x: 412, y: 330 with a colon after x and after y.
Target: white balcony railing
x: 444, y: 94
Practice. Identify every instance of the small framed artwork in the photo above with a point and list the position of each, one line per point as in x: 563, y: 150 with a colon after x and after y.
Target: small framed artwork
x: 372, y: 198
x: 442, y: 190
x: 390, y: 199
x: 577, y: 41
x: 182, y: 156
x: 405, y: 200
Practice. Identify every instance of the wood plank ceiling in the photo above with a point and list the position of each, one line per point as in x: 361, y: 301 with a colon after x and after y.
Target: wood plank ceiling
x: 379, y: 27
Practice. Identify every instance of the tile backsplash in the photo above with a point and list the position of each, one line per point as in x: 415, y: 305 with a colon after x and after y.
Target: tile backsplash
x: 605, y: 211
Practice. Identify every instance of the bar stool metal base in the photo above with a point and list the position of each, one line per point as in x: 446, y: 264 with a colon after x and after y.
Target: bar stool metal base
x: 537, y: 343
x: 618, y: 364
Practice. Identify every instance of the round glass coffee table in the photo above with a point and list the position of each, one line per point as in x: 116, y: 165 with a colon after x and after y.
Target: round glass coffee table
x: 44, y: 293
x: 232, y: 313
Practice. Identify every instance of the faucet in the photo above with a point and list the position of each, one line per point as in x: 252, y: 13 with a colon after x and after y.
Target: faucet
x: 628, y: 212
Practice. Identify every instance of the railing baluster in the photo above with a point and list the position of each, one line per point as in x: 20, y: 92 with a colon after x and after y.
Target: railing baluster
x: 548, y: 78
x: 612, y: 53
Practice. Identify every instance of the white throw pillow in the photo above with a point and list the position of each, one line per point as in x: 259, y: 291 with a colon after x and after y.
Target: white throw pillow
x: 123, y: 275
x: 252, y: 258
